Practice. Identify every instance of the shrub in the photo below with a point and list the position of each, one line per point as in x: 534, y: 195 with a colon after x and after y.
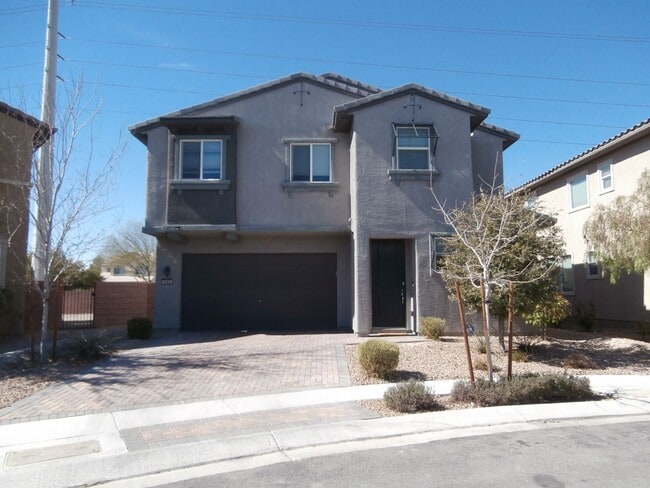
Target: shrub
x: 479, y: 344
x: 409, y: 397
x: 520, y: 356
x: 139, y: 328
x: 548, y: 313
x: 527, y: 344
x: 378, y: 358
x: 586, y: 316
x: 480, y: 364
x: 523, y: 389
x: 432, y: 327
x: 91, y: 347
x: 577, y: 360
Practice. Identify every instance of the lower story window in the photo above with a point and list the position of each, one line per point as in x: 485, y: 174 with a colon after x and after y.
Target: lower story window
x: 591, y: 263
x: 567, y: 282
x: 438, y: 252
x: 311, y: 162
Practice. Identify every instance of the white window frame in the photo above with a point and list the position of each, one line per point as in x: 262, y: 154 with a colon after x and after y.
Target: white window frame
x: 408, y: 148
x: 602, y: 178
x: 433, y: 253
x: 590, y: 259
x: 311, y: 162
x: 222, y: 175
x: 572, y: 290
x: 570, y: 182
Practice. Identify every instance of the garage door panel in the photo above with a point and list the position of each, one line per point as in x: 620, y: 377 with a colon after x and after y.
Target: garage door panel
x: 259, y: 291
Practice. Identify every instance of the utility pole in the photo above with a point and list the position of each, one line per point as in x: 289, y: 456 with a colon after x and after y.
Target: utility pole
x: 44, y: 189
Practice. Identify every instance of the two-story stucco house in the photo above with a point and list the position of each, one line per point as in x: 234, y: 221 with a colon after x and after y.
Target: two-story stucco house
x: 306, y: 203
x: 20, y: 136
x: 571, y: 191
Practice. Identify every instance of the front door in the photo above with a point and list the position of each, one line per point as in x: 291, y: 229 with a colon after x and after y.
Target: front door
x: 388, y: 283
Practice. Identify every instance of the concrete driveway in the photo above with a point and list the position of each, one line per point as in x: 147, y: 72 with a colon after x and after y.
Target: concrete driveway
x: 188, y: 367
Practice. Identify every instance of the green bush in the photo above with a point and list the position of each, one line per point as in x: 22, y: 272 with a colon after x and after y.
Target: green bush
x: 432, y: 327
x: 139, y: 328
x: 410, y: 396
x: 378, y: 358
x: 92, y: 347
x: 523, y: 389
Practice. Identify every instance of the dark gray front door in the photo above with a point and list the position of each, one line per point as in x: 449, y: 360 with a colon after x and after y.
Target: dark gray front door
x: 284, y: 292
x: 388, y: 283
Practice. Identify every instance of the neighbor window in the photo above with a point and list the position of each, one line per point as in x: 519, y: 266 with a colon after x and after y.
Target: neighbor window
x: 567, y: 283
x: 311, y: 162
x: 438, y: 252
x: 413, y: 147
x: 605, y: 180
x: 201, y: 159
x: 591, y: 263
x: 578, y: 194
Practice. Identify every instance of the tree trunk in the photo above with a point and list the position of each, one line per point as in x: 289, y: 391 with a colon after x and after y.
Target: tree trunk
x: 486, y: 294
x: 461, y: 313
x: 45, y: 298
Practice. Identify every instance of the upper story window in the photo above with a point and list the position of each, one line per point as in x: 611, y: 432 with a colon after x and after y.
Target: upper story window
x: 311, y: 162
x: 201, y: 159
x: 413, y: 147
x: 605, y: 177
x: 578, y: 193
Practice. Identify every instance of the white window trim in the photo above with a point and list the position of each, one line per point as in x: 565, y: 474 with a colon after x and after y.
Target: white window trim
x: 398, y: 148
x: 311, y: 145
x: 570, y: 194
x: 570, y: 292
x: 433, y: 268
x: 601, y: 188
x: 222, y: 167
x: 590, y: 276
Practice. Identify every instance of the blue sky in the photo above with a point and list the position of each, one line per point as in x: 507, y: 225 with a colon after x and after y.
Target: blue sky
x: 564, y: 74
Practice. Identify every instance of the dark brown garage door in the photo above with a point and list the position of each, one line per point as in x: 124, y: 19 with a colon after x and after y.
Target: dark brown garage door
x: 281, y: 292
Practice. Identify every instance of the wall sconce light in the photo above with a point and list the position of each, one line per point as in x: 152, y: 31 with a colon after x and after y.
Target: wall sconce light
x: 166, y: 271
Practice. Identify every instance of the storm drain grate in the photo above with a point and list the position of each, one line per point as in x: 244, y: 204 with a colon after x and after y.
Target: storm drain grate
x: 42, y: 454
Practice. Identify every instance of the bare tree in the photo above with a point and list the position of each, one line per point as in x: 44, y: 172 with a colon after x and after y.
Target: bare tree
x: 79, y: 188
x: 497, y: 240
x: 132, y: 249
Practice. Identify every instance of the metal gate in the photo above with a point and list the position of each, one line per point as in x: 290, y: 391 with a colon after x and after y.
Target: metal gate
x: 78, y: 308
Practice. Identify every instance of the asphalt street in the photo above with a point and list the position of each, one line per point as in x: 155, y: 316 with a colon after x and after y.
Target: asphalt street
x: 591, y: 453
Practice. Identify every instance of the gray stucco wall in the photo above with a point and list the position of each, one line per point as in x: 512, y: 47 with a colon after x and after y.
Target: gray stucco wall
x: 487, y: 160
x: 168, y: 297
x: 382, y: 208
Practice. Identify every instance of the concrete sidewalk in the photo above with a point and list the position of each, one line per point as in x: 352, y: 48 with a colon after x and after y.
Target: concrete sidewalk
x: 150, y: 446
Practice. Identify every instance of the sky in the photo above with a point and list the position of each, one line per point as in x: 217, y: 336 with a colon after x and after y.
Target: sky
x: 566, y: 75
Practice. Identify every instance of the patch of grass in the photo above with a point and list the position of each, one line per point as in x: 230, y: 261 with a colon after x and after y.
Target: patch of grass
x: 524, y: 389
x: 578, y: 360
x: 520, y: 356
x: 411, y: 397
x: 432, y: 327
x: 378, y: 358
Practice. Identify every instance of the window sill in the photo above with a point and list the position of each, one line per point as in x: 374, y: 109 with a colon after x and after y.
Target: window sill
x: 307, y: 186
x: 180, y: 185
x: 397, y: 175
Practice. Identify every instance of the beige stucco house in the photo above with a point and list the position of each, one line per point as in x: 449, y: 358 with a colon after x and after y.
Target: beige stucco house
x: 20, y: 136
x: 572, y: 190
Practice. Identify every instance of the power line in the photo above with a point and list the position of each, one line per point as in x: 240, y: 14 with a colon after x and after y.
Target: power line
x: 372, y: 65
x: 555, y: 122
x: 22, y: 10
x: 364, y: 23
x: 21, y: 44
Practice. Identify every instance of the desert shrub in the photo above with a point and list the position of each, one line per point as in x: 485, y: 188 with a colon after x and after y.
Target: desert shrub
x: 586, y: 316
x: 90, y: 347
x: 139, y: 328
x: 527, y: 344
x: 432, y: 327
x: 578, y: 360
x: 410, y: 396
x: 479, y: 344
x: 480, y: 364
x: 378, y: 358
x: 520, y: 356
x: 548, y: 313
x: 523, y: 389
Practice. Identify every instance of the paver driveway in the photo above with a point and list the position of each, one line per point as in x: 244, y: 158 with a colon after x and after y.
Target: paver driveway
x: 178, y: 372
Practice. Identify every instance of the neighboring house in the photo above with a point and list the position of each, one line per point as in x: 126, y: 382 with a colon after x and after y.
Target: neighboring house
x: 20, y: 136
x: 114, y: 274
x: 572, y: 190
x: 305, y: 204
